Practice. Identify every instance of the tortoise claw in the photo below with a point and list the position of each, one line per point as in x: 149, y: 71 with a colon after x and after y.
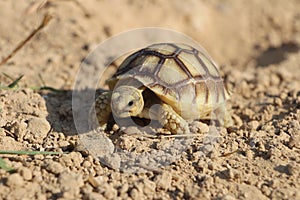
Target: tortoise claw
x: 172, y: 121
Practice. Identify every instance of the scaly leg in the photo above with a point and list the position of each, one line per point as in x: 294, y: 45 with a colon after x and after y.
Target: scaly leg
x: 172, y: 121
x: 103, y: 109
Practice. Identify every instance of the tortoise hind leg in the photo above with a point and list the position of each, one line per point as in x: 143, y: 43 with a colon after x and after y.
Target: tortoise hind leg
x: 103, y: 109
x: 223, y: 116
x: 172, y: 121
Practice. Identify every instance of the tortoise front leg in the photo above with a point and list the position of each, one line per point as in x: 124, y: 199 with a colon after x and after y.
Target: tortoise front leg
x: 103, y: 108
x: 172, y: 121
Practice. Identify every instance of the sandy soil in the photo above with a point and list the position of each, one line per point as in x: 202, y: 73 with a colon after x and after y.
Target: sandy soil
x: 257, y: 46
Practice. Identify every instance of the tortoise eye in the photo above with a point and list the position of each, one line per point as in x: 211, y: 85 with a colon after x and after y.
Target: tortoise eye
x: 130, y: 103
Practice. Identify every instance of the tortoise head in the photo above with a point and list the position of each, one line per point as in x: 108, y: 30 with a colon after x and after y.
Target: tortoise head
x: 127, y: 101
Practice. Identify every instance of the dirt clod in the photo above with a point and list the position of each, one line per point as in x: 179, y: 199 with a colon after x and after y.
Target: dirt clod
x: 256, y: 45
x: 15, y: 180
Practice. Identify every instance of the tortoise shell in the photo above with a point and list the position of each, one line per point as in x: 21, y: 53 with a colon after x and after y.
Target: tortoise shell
x: 180, y: 75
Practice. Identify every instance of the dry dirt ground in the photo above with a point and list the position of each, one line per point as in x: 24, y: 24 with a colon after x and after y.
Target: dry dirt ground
x: 257, y: 46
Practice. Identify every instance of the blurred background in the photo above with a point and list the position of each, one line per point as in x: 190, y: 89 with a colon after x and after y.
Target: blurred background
x: 237, y: 34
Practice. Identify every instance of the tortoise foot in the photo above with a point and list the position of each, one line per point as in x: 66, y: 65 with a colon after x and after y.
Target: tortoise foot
x: 172, y: 121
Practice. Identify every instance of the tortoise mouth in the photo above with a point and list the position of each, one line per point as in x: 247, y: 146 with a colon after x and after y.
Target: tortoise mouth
x: 122, y: 114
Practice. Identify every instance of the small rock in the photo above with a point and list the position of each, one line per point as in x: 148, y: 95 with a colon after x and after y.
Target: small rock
x: 2, y: 132
x: 202, y: 165
x: 97, y: 181
x: 228, y: 197
x: 274, y: 152
x: 250, y: 192
x: 149, y: 187
x: 199, y: 127
x: 96, y: 143
x: 292, y: 168
x: 294, y: 124
x: 249, y: 154
x: 237, y: 120
x: 135, y: 194
x: 73, y: 159
x: 265, y: 190
x: 15, y: 180
x: 37, y: 129
x: 232, y: 146
x: 9, y: 143
x: 94, y: 196
x: 203, y: 127
x: 294, y: 141
x: 18, y: 129
x: 86, y: 164
x: 278, y: 102
x: 113, y: 161
x: 210, y: 166
x: 231, y: 173
x: 54, y: 167
x: 70, y: 182
x: 4, y: 190
x: 132, y: 130
x: 253, y: 125
x: 2, y: 122
x: 110, y: 192
x: 63, y: 143
x: 163, y: 181
x: 26, y: 173
x: 126, y: 142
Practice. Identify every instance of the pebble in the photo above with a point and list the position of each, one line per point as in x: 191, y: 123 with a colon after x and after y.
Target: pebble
x: 294, y: 141
x: 278, y: 102
x: 18, y: 129
x: 197, y: 126
x: 86, y: 164
x: 15, y: 180
x: 163, y: 181
x: 228, y: 197
x: 97, y: 181
x: 250, y: 192
x: 63, y: 143
x: 9, y: 143
x: 292, y: 168
x: 73, y: 159
x: 70, y: 182
x: 113, y: 161
x: 135, y: 194
x: 237, y: 120
x: 249, y: 154
x: 4, y: 190
x: 132, y: 130
x: 231, y: 173
x: 203, y: 127
x: 26, y: 173
x: 110, y: 192
x: 2, y: 122
x: 253, y: 124
x: 210, y: 166
x: 232, y: 146
x: 274, y: 153
x: 149, y: 187
x: 95, y: 196
x: 54, y: 167
x: 202, y: 165
x: 37, y: 129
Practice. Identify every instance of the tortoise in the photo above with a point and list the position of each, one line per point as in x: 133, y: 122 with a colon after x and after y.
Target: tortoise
x: 180, y: 80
